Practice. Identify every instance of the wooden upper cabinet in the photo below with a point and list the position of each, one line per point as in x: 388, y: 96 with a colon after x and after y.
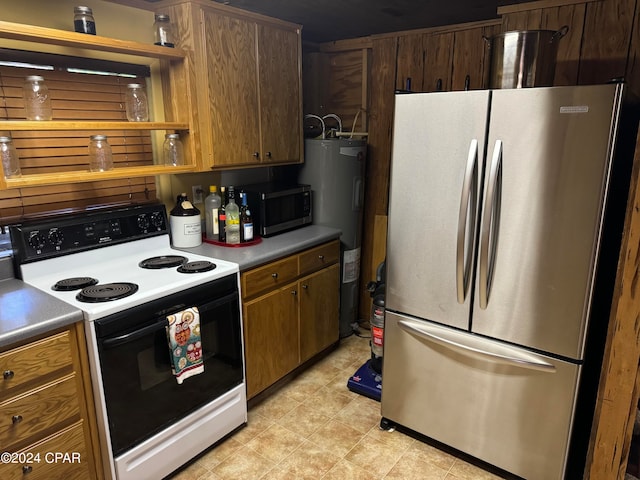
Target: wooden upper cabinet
x: 246, y: 104
x: 438, y: 53
x: 472, y: 58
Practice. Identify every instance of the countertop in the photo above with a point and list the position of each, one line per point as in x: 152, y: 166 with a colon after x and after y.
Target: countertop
x: 270, y: 248
x: 26, y: 312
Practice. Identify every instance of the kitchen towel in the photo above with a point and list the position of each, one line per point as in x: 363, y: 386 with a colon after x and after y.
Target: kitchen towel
x: 185, y: 344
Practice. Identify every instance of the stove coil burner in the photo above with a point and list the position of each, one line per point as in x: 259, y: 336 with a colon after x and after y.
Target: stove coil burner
x: 197, y: 267
x: 164, y: 261
x: 74, y: 283
x: 106, y: 292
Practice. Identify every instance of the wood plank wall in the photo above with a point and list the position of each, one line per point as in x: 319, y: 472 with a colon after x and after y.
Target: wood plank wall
x: 603, y: 42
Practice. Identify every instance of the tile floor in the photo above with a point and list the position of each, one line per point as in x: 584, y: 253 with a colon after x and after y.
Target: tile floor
x: 315, y: 428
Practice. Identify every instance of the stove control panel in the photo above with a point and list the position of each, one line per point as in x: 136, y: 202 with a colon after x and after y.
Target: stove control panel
x: 63, y: 235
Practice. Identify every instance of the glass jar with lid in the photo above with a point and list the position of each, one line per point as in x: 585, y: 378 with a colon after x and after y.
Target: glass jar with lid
x: 37, y: 102
x: 173, y: 151
x: 10, y: 160
x: 163, y: 31
x: 100, y: 154
x: 83, y: 21
x: 136, y: 104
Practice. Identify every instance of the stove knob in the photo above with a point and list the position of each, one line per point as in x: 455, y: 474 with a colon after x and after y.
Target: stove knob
x: 55, y: 238
x: 143, y: 222
x: 157, y: 220
x: 36, y: 241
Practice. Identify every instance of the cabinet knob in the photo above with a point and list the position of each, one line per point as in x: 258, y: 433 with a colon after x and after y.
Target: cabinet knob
x: 320, y: 257
x: 256, y: 154
x: 274, y: 275
x: 305, y: 286
x: 269, y: 154
x: 26, y: 469
x: 16, y: 419
x: 294, y: 292
x: 8, y: 374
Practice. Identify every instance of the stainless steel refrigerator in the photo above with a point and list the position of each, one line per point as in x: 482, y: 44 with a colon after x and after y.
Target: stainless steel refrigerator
x: 505, y: 217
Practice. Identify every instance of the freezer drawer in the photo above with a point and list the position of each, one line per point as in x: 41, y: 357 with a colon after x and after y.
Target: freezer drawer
x: 504, y: 405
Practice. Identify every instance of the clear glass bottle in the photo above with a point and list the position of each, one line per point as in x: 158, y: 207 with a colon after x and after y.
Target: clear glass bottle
x: 212, y: 205
x: 232, y: 224
x: 136, y: 103
x: 222, y: 216
x: 100, y: 154
x: 172, y: 150
x: 83, y: 21
x: 10, y: 159
x: 37, y: 103
x: 163, y: 31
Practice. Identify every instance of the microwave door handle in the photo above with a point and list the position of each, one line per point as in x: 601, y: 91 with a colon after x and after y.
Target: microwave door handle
x: 490, y: 225
x: 466, y: 222
x: 130, y: 337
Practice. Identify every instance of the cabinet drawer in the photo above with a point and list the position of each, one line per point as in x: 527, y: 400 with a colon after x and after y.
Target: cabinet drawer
x: 38, y: 410
x: 23, y: 364
x: 40, y: 463
x: 319, y: 257
x: 269, y: 276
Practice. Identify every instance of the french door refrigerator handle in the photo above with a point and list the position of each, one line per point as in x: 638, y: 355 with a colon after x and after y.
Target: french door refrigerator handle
x: 471, y: 350
x: 490, y: 224
x: 468, y: 204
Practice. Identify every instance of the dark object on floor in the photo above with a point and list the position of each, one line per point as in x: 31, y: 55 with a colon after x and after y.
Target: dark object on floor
x: 366, y: 382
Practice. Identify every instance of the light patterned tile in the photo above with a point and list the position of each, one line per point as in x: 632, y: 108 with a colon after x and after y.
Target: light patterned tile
x: 276, y: 406
x: 328, y: 403
x: 394, y: 439
x: 362, y: 415
x: 303, y: 420
x: 375, y: 456
x: 301, y: 388
x: 276, y: 443
x: 309, y: 462
x: 244, y: 464
x: 411, y: 467
x: 218, y: 454
x: 336, y: 437
x: 431, y: 454
x: 344, y: 470
x: 194, y: 471
x: 256, y: 424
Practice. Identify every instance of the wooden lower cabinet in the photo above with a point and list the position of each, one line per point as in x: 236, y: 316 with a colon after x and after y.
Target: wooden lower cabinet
x: 47, y: 424
x: 289, y: 314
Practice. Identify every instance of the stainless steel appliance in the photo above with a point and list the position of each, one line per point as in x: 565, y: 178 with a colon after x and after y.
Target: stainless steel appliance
x: 117, y: 266
x: 278, y: 207
x: 505, y: 218
x: 334, y: 167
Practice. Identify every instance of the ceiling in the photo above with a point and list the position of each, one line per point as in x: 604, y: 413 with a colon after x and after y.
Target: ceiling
x: 328, y: 20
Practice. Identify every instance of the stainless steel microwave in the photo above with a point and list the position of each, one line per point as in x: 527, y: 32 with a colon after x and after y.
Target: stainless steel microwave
x: 277, y: 208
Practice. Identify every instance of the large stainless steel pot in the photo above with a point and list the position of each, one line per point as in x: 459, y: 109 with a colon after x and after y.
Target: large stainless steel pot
x: 524, y: 58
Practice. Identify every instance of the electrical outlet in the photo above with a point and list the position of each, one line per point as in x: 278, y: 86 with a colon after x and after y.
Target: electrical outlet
x: 196, y: 193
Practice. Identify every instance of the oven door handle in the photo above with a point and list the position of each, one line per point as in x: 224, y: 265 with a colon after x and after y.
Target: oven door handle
x: 129, y: 337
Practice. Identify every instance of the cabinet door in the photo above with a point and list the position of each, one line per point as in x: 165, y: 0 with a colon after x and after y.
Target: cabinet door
x: 280, y: 96
x: 468, y: 59
x: 319, y: 311
x: 438, y: 51
x: 271, y: 337
x: 230, y: 59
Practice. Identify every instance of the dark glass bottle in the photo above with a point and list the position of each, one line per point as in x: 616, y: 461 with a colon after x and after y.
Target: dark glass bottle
x: 83, y: 21
x: 222, y: 216
x: 246, y: 220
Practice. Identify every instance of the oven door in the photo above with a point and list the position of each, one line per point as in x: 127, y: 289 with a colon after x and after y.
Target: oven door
x: 142, y: 395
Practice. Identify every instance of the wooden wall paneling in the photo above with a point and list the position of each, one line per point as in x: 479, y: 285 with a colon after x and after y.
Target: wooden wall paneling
x: 438, y: 54
x: 382, y: 101
x: 527, y: 20
x: 345, y: 86
x: 617, y: 399
x: 568, y: 58
x: 606, y: 39
x: 488, y: 32
x: 410, y: 62
x: 633, y: 61
x: 468, y: 59
x: 315, y: 83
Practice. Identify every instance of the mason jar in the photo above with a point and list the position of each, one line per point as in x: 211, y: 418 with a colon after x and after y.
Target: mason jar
x: 163, y: 31
x: 173, y: 151
x: 136, y: 103
x: 100, y: 155
x: 10, y: 160
x: 83, y: 21
x: 37, y: 103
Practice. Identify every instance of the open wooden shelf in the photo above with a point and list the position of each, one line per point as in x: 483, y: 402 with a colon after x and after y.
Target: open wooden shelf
x: 19, y: 125
x: 51, y: 36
